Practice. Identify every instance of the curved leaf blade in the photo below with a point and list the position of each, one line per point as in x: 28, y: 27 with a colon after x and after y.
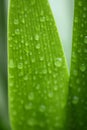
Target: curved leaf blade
x: 77, y: 111
x: 38, y: 74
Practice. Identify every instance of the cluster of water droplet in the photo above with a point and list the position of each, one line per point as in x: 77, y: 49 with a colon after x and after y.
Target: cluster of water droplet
x: 36, y: 69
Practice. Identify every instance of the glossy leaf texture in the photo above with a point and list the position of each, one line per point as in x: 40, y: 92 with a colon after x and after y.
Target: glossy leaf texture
x: 37, y: 69
x: 77, y: 111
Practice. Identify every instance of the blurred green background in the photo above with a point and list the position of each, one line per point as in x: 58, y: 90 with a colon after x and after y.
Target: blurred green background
x: 63, y: 14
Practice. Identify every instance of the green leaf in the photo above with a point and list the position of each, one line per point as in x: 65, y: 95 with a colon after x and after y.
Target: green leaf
x: 37, y: 69
x: 4, y: 123
x: 77, y: 119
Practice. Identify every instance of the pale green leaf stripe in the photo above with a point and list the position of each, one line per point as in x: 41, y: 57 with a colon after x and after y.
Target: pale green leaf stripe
x: 77, y: 112
x: 37, y: 70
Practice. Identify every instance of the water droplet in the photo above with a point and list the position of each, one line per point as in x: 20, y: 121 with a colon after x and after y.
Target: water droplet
x: 34, y: 114
x: 20, y: 65
x: 50, y: 94
x: 75, y: 100
x: 85, y: 50
x: 54, y: 75
x: 80, y: 3
x: 25, y: 15
x: 58, y: 62
x: 11, y: 76
x: 17, y: 31
x: 11, y: 84
x: 26, y: 50
x: 51, y: 128
x: 11, y: 63
x: 85, y: 8
x: 20, y: 74
x: 22, y: 12
x: 42, y: 124
x: 47, y: 18
x: 47, y: 121
x: 84, y: 15
x: 77, y: 81
x: 55, y: 81
x: 34, y: 77
x: 79, y: 89
x: 36, y: 72
x: 33, y: 60
x: 81, y: 35
x: 26, y: 77
x: 31, y: 122
x: 82, y: 124
x: 63, y: 104
x: 55, y: 88
x: 36, y: 37
x: 82, y: 67
x: 41, y: 58
x: 23, y: 20
x: 49, y: 71
x: 31, y: 38
x: 22, y: 101
x: 79, y: 50
x: 10, y: 38
x: 26, y: 62
x: 75, y: 73
x: 57, y: 118
x: 42, y: 19
x: 38, y: 46
x: 19, y: 45
x: 33, y: 2
x: 14, y: 113
x: 82, y: 24
x: 48, y: 64
x: 28, y: 106
x: 42, y: 108
x: 16, y: 41
x: 30, y: 53
x: 16, y: 21
x: 38, y: 86
x: 44, y: 71
x: 31, y: 96
x: 22, y: 41
x: 56, y: 124
x: 12, y: 5
x: 42, y: 13
x: 85, y: 40
x: 26, y: 44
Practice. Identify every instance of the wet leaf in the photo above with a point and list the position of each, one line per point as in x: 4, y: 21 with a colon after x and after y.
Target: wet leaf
x: 37, y: 69
x: 77, y: 110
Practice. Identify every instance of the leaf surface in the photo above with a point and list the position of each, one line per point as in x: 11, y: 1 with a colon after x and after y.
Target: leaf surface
x: 37, y: 69
x: 77, y: 119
